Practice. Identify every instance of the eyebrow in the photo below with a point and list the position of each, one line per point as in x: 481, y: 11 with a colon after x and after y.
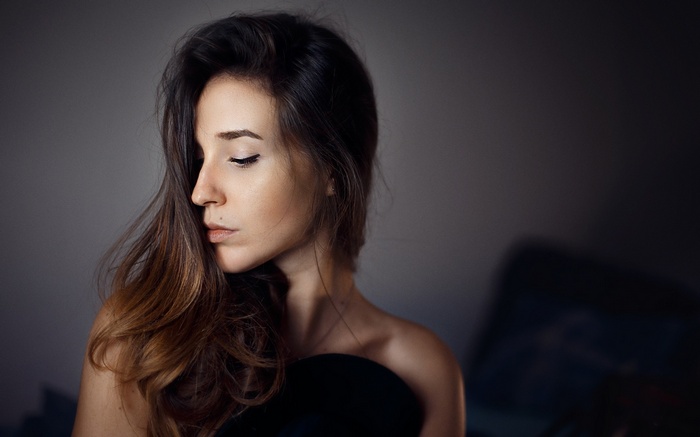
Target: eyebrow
x: 233, y: 134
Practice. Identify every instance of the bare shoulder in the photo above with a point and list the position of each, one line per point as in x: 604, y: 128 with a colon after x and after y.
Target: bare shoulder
x: 105, y: 406
x: 429, y: 367
x: 420, y: 357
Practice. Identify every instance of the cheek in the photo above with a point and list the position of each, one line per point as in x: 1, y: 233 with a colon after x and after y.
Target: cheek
x: 281, y: 200
x: 292, y: 205
x: 275, y: 203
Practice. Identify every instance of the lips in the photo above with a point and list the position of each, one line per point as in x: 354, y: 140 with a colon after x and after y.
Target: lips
x: 217, y: 234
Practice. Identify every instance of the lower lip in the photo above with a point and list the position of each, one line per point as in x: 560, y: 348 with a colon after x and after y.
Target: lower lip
x: 219, y: 235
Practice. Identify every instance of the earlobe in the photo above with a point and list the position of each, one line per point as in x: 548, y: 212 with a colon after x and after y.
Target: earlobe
x: 330, y: 187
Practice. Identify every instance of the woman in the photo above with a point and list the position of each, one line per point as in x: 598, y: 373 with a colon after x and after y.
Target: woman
x: 233, y: 308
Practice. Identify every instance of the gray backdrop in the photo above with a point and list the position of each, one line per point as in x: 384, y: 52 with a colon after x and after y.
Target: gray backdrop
x: 499, y: 122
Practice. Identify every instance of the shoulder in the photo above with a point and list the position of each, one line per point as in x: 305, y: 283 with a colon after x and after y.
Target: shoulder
x: 422, y: 359
x: 429, y: 368
x: 107, y: 407
x: 415, y: 347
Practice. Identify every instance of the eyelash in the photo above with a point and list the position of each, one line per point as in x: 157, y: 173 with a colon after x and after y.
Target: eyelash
x: 245, y: 162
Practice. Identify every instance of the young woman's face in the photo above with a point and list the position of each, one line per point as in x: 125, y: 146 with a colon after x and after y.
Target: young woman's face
x: 256, y: 193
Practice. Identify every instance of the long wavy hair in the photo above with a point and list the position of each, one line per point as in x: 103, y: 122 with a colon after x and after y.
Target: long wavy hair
x: 202, y: 345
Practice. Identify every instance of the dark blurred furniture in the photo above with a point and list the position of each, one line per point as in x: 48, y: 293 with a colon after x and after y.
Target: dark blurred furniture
x: 54, y: 420
x: 578, y: 347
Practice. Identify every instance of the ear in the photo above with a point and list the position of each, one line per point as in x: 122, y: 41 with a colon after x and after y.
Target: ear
x: 330, y: 187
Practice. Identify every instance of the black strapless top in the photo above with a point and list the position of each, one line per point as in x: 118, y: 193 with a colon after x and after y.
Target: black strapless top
x: 334, y: 395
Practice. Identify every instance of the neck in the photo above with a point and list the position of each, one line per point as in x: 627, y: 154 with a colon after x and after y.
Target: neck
x: 319, y: 293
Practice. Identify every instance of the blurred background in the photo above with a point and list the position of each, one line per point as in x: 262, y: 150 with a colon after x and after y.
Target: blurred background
x: 568, y: 124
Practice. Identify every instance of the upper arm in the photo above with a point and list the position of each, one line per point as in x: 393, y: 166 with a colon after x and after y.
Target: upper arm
x: 430, y: 369
x: 105, y: 407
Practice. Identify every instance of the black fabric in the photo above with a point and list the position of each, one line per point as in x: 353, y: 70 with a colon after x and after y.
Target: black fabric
x: 334, y: 395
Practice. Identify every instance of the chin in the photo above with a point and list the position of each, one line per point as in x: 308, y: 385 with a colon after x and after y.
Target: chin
x: 229, y: 264
x: 235, y: 268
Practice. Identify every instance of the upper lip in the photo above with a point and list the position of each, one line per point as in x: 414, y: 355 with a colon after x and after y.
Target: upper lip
x: 214, y: 226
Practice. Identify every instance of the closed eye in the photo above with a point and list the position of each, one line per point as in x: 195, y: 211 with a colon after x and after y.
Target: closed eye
x: 245, y: 162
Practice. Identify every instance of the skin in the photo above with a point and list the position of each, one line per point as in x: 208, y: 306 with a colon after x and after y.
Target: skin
x: 259, y: 210
x: 246, y: 182
x: 104, y: 409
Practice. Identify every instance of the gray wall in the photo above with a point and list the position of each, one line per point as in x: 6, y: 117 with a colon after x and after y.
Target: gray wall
x: 498, y: 122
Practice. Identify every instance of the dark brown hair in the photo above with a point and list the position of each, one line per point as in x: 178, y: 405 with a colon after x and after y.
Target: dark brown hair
x: 202, y: 345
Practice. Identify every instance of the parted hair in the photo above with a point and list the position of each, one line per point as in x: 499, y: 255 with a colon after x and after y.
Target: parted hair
x: 202, y: 345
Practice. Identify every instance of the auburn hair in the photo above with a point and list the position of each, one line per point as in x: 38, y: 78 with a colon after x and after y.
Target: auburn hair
x: 202, y: 345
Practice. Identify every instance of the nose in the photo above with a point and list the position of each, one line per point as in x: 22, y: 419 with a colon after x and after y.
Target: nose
x: 206, y: 191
